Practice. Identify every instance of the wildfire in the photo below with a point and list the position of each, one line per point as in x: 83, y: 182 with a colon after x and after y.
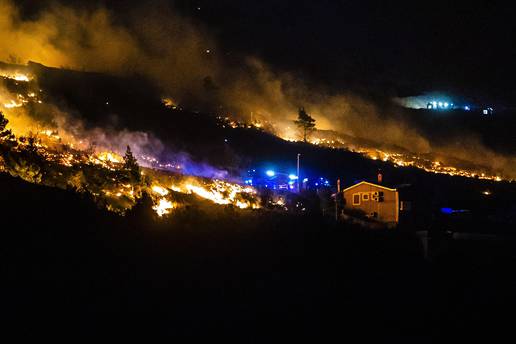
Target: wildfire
x: 399, y: 159
x: 336, y: 141
x: 70, y: 162
x: 163, y: 207
x: 221, y: 192
x: 160, y: 190
x: 110, y: 157
x: 17, y: 76
x: 12, y: 104
x: 169, y: 103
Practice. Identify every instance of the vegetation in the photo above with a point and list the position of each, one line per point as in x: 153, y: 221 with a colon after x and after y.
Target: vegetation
x: 5, y: 134
x: 131, y: 165
x: 305, y: 122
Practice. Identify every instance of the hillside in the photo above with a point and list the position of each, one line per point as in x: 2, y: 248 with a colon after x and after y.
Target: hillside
x: 84, y: 250
x: 106, y: 111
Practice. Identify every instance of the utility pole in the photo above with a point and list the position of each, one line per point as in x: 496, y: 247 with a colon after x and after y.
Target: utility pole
x: 298, y: 176
x: 336, y: 202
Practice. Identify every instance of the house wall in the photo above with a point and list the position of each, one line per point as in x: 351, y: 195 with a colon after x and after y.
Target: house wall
x: 387, y: 210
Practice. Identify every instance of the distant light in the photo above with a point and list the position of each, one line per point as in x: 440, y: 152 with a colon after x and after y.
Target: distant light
x: 467, y: 108
x: 487, y: 192
x: 434, y: 103
x: 226, y: 140
x: 446, y: 105
x: 208, y: 51
x: 270, y: 173
x: 440, y: 104
x: 292, y: 177
x: 305, y: 180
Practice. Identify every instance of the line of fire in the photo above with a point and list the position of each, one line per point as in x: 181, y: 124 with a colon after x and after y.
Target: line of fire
x: 118, y: 180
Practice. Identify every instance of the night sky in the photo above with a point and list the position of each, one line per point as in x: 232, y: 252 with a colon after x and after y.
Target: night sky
x: 397, y: 48
x: 429, y: 45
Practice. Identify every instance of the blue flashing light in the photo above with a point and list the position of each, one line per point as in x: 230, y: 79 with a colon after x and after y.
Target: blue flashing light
x: 270, y: 173
x: 446, y: 105
x: 316, y: 184
x: 305, y: 180
x: 434, y: 103
x: 446, y: 210
x: 291, y: 182
x: 292, y: 177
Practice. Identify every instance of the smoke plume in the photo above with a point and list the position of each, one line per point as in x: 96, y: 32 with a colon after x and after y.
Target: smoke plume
x: 187, y: 63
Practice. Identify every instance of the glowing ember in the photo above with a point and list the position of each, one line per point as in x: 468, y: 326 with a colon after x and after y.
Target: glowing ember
x: 169, y: 103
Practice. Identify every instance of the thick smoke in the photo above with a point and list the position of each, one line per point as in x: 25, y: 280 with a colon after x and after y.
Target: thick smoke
x: 26, y: 121
x: 185, y: 61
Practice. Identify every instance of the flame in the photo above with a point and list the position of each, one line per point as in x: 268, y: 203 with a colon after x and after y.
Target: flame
x: 17, y: 76
x: 110, y: 157
x: 160, y: 190
x: 398, y: 159
x: 12, y: 104
x: 221, y: 192
x: 163, y: 207
x: 169, y: 103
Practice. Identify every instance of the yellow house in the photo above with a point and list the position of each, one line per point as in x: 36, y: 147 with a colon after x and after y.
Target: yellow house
x: 376, y: 201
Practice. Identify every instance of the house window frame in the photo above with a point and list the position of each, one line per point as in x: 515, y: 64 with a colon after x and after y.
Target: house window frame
x: 353, y: 198
x: 365, y: 196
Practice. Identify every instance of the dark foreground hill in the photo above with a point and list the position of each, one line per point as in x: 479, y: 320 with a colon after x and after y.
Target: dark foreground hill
x: 69, y: 268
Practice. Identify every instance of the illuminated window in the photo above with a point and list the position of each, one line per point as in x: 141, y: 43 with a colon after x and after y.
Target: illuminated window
x: 365, y: 197
x: 356, y: 199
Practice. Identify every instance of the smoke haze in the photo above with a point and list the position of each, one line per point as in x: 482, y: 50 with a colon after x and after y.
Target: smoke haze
x: 186, y: 62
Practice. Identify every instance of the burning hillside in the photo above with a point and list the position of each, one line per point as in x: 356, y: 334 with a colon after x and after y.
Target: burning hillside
x: 397, y: 156
x: 48, y: 156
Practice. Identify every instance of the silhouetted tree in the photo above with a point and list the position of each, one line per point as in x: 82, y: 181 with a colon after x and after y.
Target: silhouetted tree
x: 131, y: 165
x: 32, y: 141
x: 5, y: 134
x: 305, y: 122
x: 3, y: 122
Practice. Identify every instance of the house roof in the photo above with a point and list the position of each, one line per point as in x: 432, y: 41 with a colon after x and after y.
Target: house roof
x: 364, y: 182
